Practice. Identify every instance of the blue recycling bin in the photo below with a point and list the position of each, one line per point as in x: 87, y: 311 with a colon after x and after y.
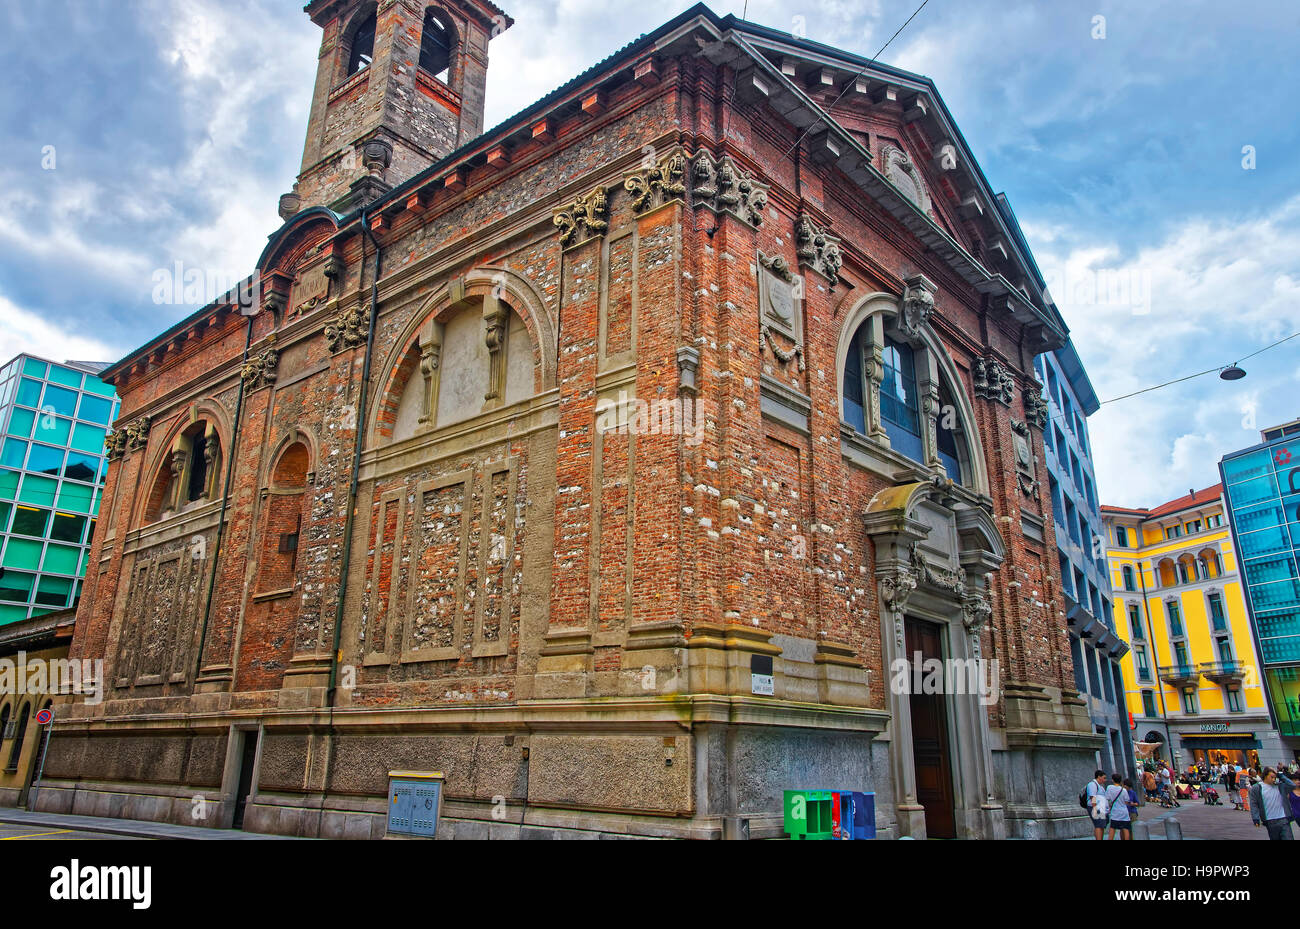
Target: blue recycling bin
x: 857, y: 815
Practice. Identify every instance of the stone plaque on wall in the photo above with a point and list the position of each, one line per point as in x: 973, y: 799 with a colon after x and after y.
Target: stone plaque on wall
x: 778, y: 298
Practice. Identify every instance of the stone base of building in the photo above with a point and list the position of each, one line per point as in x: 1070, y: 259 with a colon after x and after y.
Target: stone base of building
x: 703, y: 767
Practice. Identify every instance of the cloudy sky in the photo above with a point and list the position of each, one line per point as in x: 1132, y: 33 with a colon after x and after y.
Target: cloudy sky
x: 1150, y: 155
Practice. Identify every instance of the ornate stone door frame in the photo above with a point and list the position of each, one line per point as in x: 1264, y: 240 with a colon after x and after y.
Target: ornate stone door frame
x: 932, y: 561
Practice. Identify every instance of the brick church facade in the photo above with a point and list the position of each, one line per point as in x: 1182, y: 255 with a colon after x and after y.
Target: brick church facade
x: 529, y: 455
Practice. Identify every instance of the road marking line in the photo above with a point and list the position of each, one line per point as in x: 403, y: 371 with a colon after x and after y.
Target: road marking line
x: 34, y: 835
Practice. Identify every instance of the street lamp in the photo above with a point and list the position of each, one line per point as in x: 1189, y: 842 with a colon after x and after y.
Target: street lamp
x: 1232, y: 373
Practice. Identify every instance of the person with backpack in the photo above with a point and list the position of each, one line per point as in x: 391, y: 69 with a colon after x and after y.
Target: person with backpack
x: 1093, y: 799
x: 1149, y: 785
x: 1117, y: 800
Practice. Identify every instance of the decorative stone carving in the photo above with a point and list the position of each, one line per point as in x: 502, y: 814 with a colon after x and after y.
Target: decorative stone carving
x: 1026, y: 473
x: 137, y: 434
x: 585, y: 218
x: 115, y: 444
x: 951, y: 582
x: 290, y: 204
x: 720, y: 186
x: 896, y: 588
x: 818, y: 250
x: 977, y: 613
x: 1036, y: 409
x: 898, y: 167
x: 918, y: 307
x: 994, y: 381
x: 688, y: 368
x: 779, y: 309
x: 346, y: 329
x: 430, y: 362
x: 260, y: 370
x: 335, y: 268
x: 376, y: 156
x: 495, y: 316
x: 657, y: 184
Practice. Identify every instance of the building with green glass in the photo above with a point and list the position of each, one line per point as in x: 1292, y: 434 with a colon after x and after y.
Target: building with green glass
x: 1262, y: 487
x: 53, y: 419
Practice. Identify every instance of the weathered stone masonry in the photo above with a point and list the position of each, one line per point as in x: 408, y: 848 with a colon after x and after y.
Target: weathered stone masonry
x: 546, y: 609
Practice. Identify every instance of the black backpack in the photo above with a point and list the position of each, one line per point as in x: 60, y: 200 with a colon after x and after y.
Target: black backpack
x: 1083, y: 797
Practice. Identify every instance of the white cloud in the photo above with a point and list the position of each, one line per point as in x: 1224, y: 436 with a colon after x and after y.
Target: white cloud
x: 24, y: 332
x: 1219, y: 290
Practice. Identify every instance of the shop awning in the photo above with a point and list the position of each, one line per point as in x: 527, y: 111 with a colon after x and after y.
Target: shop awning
x: 1223, y: 743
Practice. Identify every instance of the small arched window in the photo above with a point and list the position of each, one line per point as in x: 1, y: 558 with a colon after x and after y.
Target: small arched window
x: 435, y: 46
x: 363, y: 45
x: 4, y: 722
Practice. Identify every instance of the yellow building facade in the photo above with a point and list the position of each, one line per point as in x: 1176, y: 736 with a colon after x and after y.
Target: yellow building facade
x: 1192, y: 680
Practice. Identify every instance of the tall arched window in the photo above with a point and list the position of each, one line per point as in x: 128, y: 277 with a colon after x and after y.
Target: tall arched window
x: 435, y: 46
x: 898, y: 389
x: 20, y: 734
x: 189, y: 474
x: 363, y: 45
x: 1129, y: 580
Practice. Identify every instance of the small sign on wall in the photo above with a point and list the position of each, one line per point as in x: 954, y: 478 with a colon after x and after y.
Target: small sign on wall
x: 762, y: 679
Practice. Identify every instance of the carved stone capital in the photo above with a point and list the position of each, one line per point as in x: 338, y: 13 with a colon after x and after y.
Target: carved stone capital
x: 658, y: 183
x: 585, y: 218
x: 722, y: 187
x: 994, y: 381
x: 346, y: 330
x: 818, y: 250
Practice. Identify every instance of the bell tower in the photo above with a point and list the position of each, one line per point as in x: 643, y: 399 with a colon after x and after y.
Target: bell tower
x: 399, y: 85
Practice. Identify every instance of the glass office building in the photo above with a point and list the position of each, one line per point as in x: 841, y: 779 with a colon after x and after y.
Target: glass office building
x: 1262, y: 487
x: 53, y: 421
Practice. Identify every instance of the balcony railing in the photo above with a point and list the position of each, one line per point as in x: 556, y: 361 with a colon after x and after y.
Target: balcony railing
x: 1181, y: 675
x: 1224, y: 672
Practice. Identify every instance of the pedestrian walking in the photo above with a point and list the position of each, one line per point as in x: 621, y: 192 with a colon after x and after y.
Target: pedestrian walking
x: 1121, y: 820
x: 1244, y: 780
x: 1272, y: 805
x: 1098, y: 806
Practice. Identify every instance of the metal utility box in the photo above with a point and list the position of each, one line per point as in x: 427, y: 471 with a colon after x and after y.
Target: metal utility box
x: 414, y: 804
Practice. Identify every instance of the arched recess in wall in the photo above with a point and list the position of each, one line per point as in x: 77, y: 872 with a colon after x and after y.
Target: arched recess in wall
x: 482, y: 342
x: 878, y: 315
x: 187, y: 469
x: 284, y: 502
x: 357, y: 41
x: 438, y: 44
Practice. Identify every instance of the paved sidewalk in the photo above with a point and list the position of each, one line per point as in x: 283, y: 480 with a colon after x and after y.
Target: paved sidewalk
x: 1204, y: 823
x: 126, y: 827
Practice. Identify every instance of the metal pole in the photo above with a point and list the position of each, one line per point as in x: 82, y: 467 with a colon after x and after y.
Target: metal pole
x: 40, y: 770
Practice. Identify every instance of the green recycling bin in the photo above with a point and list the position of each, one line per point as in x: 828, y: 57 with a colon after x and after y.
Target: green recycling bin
x: 808, y: 814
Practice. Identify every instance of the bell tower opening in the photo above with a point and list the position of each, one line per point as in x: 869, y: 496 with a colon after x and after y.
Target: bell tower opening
x: 399, y: 85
